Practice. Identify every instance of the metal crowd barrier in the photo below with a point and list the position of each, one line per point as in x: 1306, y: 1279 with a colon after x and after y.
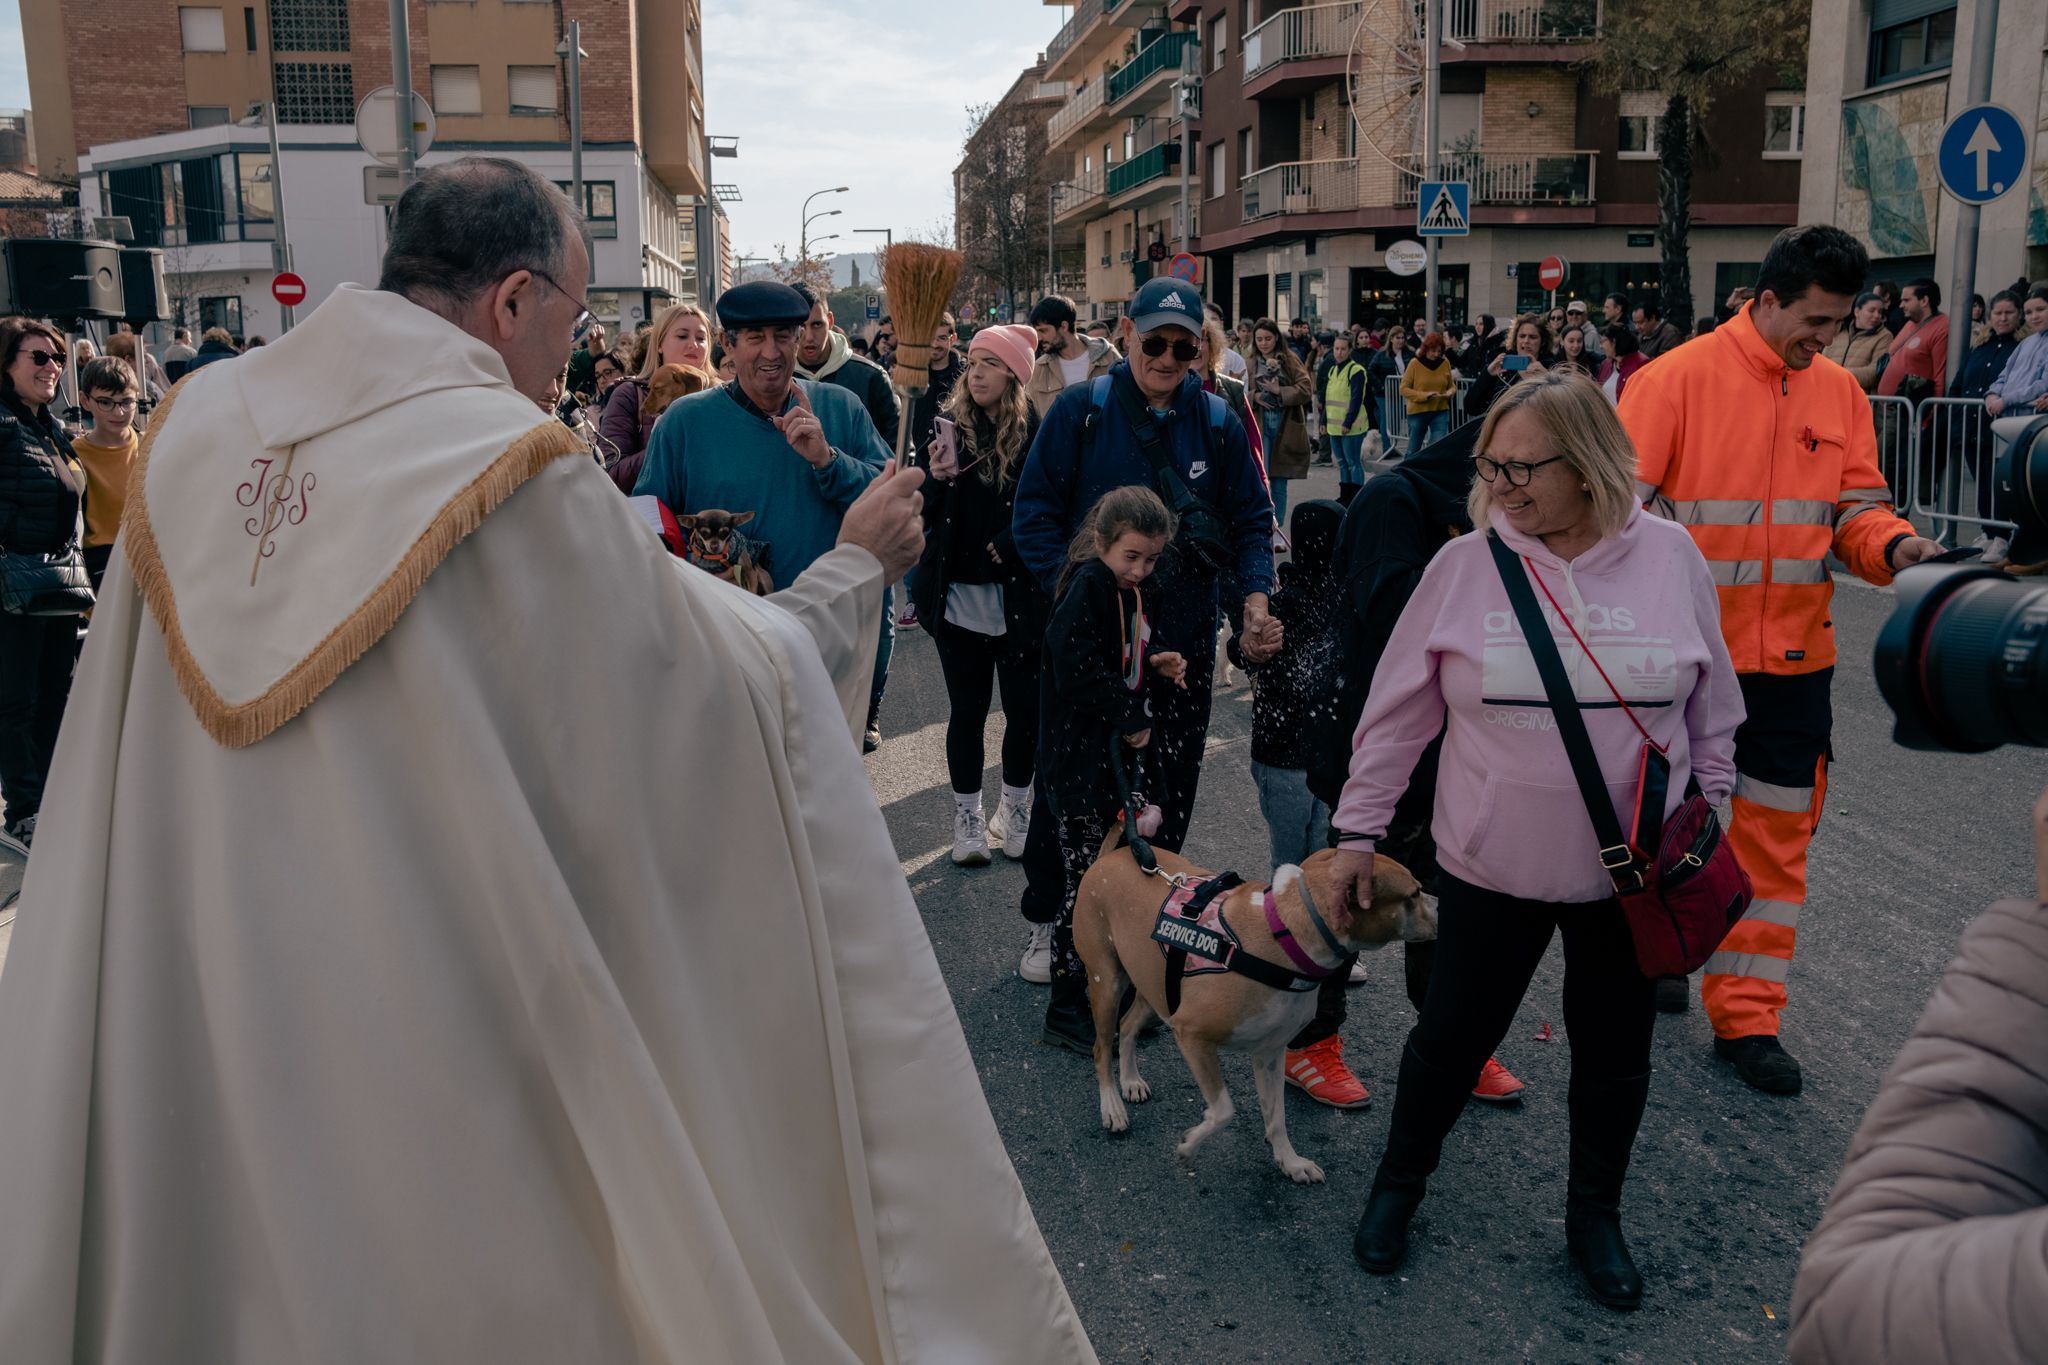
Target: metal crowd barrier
x: 1940, y: 460
x: 1394, y: 414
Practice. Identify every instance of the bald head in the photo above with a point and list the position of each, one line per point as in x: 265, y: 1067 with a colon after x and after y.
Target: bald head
x: 463, y: 227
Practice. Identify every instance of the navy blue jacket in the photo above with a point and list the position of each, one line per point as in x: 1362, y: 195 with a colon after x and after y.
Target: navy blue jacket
x: 1058, y: 486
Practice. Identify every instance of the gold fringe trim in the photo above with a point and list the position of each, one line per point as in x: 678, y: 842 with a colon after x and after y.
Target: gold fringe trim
x: 242, y: 724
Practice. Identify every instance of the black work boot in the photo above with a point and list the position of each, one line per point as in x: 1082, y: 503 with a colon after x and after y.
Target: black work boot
x: 1672, y: 995
x: 1761, y: 1060
x: 1069, y: 1019
x: 1604, y: 1118
x: 1427, y: 1102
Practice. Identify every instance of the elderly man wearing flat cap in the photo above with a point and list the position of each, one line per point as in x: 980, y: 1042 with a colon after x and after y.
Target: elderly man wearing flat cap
x: 793, y: 452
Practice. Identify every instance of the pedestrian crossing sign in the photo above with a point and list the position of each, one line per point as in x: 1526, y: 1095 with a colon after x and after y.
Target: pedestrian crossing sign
x: 1443, y: 208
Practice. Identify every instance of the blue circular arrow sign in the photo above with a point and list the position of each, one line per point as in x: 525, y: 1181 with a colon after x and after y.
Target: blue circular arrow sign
x: 1983, y: 154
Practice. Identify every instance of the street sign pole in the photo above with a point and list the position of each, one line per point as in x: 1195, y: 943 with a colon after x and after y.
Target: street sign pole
x: 1962, y: 279
x: 401, y: 79
x: 1432, y: 45
x: 281, y: 249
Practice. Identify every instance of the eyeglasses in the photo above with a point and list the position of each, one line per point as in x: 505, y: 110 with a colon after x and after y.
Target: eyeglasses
x: 1183, y: 351
x: 582, y: 317
x: 1519, y: 473
x: 114, y: 404
x: 41, y: 357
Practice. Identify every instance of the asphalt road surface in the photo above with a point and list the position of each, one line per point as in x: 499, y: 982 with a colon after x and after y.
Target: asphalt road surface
x: 1224, y: 1259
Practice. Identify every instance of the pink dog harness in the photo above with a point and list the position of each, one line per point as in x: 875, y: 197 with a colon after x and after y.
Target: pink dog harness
x: 1191, y: 924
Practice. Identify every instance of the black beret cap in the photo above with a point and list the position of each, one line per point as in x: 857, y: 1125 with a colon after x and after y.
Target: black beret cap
x: 761, y: 303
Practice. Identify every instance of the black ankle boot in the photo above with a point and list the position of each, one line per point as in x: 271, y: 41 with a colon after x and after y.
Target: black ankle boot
x: 1069, y: 1019
x: 1381, y: 1242
x: 1593, y: 1236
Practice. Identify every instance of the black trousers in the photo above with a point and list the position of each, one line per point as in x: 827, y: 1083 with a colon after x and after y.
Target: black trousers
x: 1488, y: 947
x: 1173, y: 770
x: 1081, y: 833
x: 974, y: 665
x: 36, y: 655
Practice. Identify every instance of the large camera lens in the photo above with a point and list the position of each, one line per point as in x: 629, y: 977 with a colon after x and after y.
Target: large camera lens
x: 1962, y: 661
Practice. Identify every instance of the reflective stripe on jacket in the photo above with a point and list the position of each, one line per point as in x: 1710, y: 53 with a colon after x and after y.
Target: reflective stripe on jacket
x: 1344, y: 411
x: 1770, y: 468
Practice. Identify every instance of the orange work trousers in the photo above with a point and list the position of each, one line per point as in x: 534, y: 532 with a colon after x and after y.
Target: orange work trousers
x: 1781, y: 767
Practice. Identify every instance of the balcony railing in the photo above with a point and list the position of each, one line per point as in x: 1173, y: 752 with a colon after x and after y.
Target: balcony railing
x: 1150, y: 164
x: 1521, y: 21
x: 1086, y: 12
x: 1075, y: 114
x: 1080, y: 192
x: 1300, y: 187
x: 1513, y: 178
x: 1299, y: 34
x: 1163, y: 54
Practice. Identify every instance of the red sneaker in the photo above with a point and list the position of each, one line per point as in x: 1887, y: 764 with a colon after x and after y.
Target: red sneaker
x: 1319, y: 1071
x: 1497, y: 1084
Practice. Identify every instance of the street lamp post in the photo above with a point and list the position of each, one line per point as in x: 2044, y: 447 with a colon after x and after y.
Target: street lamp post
x: 804, y: 239
x: 571, y: 50
x: 806, y: 215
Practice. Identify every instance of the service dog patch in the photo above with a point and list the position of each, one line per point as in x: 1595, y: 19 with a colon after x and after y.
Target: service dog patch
x: 1191, y: 920
x: 1190, y: 937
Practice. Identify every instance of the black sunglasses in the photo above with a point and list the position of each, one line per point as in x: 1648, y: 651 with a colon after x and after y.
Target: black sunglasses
x: 41, y: 357
x: 1183, y: 351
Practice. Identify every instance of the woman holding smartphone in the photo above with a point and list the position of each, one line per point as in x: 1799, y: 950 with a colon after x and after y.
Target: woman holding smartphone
x: 981, y: 606
x: 1529, y: 356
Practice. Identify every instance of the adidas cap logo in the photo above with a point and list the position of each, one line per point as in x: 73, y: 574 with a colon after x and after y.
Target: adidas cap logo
x: 1173, y: 300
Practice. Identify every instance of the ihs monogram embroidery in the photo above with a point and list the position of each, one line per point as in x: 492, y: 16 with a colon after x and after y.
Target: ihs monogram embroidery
x: 282, y: 500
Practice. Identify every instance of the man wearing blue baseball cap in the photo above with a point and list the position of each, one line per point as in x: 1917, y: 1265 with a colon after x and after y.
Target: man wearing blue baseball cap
x: 1148, y: 421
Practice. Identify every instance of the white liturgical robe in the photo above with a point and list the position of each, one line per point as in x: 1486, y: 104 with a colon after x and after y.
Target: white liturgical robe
x: 459, y: 932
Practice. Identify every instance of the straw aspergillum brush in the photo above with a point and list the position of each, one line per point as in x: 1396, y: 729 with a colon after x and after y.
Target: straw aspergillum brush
x: 920, y: 280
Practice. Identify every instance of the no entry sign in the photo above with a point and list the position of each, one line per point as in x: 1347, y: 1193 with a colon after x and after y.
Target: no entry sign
x: 288, y: 289
x: 1553, y: 272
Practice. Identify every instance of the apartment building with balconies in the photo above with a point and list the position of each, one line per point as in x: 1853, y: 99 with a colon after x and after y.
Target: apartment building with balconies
x: 1117, y: 142
x: 141, y: 101
x: 1293, y: 210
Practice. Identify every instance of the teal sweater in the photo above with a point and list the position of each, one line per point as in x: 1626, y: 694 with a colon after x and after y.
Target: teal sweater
x: 707, y: 452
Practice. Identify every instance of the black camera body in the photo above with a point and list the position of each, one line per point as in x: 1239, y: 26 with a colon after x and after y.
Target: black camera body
x: 1963, y: 661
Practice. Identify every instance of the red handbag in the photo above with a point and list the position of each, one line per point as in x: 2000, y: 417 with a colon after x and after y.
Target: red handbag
x: 1677, y: 879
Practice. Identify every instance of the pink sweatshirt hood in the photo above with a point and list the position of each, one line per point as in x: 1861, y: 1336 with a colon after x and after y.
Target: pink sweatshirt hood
x: 1508, y: 814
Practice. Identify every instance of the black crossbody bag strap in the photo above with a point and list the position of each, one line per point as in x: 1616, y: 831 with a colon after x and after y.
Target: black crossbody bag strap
x: 1172, y: 487
x: 1615, y: 854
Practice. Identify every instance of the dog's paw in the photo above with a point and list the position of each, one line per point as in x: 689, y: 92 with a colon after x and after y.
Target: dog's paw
x: 1189, y: 1140
x: 1302, y: 1171
x: 1115, y: 1117
x: 1137, y: 1090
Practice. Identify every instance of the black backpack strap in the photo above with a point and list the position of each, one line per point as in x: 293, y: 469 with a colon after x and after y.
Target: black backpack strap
x: 1150, y: 442
x: 1615, y: 854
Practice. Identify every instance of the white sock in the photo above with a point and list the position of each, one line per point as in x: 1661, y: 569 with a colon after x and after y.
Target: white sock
x: 968, y: 801
x: 1017, y: 796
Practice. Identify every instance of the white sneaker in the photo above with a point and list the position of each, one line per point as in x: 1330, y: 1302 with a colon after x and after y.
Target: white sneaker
x: 19, y: 835
x: 970, y: 837
x: 1008, y: 827
x: 1226, y: 672
x: 1037, y: 964
x: 1357, y: 973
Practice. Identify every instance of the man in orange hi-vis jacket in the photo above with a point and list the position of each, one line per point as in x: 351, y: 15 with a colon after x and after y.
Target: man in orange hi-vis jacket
x: 1764, y: 450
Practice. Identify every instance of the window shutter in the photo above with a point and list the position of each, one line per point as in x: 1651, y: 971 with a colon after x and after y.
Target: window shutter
x: 1885, y: 13
x: 457, y: 90
x: 533, y: 87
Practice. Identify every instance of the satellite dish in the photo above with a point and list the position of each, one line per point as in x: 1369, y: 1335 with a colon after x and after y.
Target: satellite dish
x: 1384, y: 75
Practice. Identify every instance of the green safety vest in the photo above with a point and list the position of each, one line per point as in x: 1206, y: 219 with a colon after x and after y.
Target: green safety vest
x: 1337, y: 401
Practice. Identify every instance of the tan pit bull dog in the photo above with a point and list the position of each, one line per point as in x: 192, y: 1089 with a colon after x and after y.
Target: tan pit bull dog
x: 1115, y: 912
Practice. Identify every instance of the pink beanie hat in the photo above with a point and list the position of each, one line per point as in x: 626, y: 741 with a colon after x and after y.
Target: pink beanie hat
x: 1013, y: 343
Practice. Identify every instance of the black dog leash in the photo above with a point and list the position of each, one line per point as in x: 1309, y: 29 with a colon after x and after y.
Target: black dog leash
x: 1141, y: 848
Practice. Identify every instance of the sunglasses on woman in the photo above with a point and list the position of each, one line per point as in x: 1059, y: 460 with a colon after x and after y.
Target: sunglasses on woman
x: 1183, y: 351
x: 41, y: 358
x: 1518, y: 472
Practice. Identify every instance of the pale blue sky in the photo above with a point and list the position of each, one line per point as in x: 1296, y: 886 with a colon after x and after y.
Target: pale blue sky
x: 865, y: 93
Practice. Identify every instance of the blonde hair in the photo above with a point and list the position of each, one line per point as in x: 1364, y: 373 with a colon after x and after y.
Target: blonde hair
x: 1580, y: 425
x: 1011, y: 422
x: 218, y: 335
x: 1215, y: 341
x: 650, y: 359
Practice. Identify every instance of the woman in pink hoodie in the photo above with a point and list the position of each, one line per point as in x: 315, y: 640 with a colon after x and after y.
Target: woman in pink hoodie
x: 1518, y: 855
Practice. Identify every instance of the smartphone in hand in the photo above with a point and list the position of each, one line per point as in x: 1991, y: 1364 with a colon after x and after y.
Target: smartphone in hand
x: 944, y: 456
x: 1514, y: 362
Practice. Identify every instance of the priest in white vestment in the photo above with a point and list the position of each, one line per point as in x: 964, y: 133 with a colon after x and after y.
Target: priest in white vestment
x: 458, y: 932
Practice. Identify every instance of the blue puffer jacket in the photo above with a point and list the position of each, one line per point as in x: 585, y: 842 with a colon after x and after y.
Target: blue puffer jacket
x: 1061, y: 482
